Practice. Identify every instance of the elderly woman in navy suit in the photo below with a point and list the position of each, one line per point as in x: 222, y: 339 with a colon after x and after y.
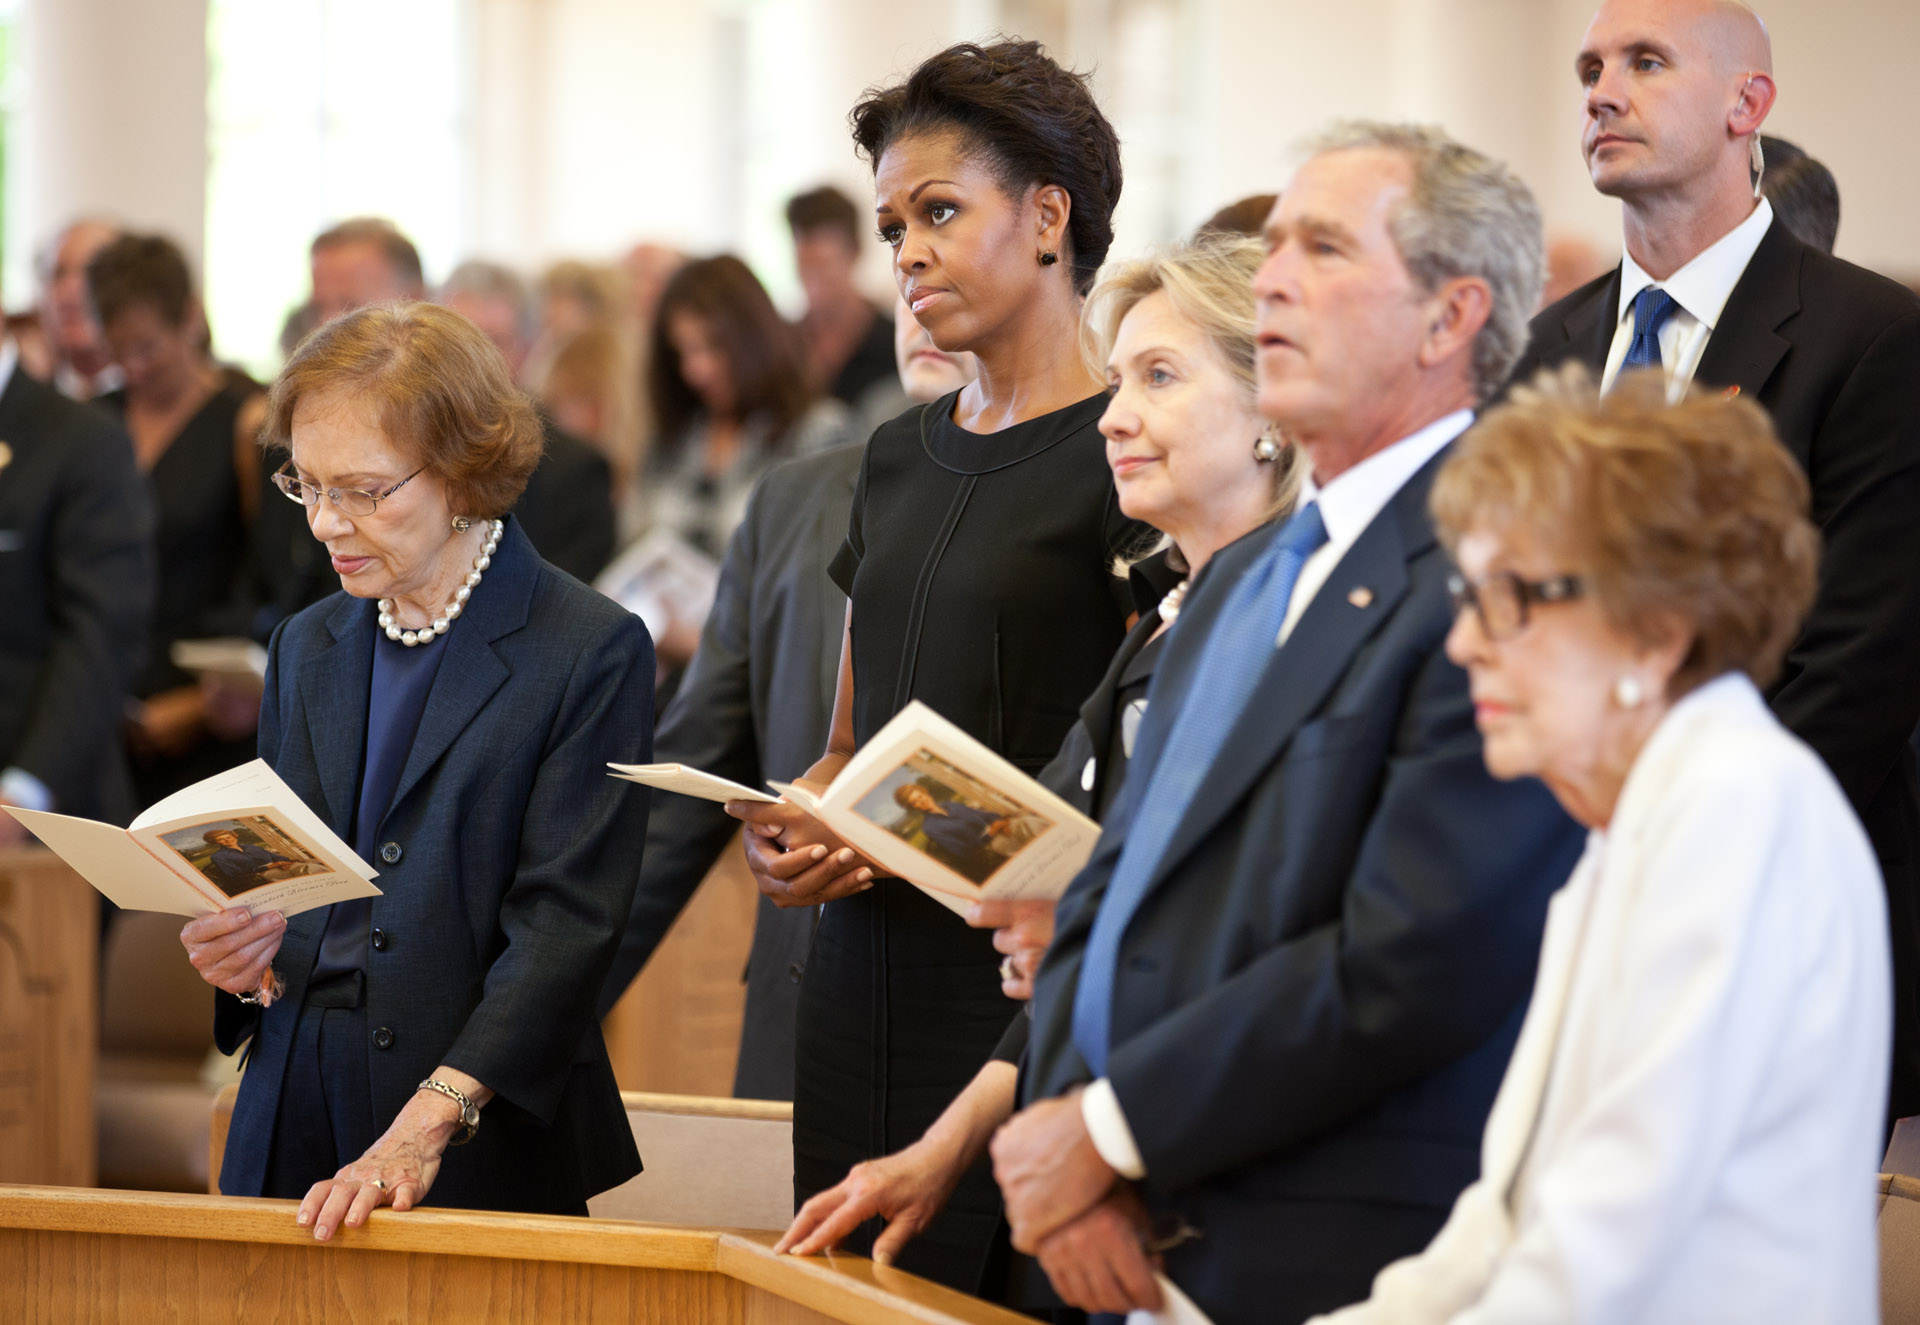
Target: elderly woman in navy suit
x: 450, y: 714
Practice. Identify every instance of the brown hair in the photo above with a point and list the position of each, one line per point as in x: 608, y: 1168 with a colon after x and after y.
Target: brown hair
x: 1033, y: 121
x: 763, y: 353
x: 824, y: 208
x: 441, y: 391
x: 401, y: 255
x: 136, y: 271
x: 598, y: 365
x: 1692, y: 512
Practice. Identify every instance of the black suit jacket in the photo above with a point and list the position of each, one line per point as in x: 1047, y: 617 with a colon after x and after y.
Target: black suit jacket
x: 755, y: 703
x: 1317, y: 998
x: 1833, y: 353
x: 512, y: 862
x: 77, y: 581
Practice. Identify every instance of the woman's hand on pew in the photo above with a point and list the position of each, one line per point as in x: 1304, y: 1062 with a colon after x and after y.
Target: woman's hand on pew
x: 906, y: 1189
x: 234, y: 949
x: 399, y: 1168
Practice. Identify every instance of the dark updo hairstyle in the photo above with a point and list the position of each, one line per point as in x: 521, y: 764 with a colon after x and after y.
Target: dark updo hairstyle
x: 137, y: 271
x: 1036, y: 123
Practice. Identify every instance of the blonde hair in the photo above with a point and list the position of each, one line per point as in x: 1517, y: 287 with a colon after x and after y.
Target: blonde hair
x: 1209, y: 281
x: 440, y: 389
x: 599, y: 365
x: 1691, y: 513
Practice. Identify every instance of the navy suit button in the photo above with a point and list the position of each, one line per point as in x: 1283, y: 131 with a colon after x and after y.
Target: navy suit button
x: 1144, y: 965
x: 390, y: 853
x: 795, y: 971
x: 379, y: 940
x: 383, y: 1038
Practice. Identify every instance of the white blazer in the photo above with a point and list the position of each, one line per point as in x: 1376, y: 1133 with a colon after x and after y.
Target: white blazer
x: 1690, y: 1126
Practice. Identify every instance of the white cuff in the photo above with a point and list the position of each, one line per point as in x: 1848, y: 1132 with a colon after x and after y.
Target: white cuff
x: 25, y: 790
x: 1107, y: 1125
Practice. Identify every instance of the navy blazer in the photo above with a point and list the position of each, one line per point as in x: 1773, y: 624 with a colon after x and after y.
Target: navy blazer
x: 508, y: 861
x: 1316, y: 1000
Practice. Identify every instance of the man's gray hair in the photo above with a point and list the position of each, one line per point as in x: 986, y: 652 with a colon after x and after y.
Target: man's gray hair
x: 1467, y: 215
x: 491, y: 280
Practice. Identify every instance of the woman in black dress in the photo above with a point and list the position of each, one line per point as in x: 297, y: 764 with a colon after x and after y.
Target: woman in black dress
x: 978, y: 568
x: 1189, y: 455
x: 193, y: 428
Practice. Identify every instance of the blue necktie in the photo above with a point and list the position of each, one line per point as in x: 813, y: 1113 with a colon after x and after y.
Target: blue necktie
x: 1651, y: 309
x: 1235, y: 656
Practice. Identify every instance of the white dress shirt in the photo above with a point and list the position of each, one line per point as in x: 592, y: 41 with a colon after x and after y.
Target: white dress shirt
x: 1689, y: 1128
x: 1348, y: 504
x: 1701, y: 289
x: 16, y: 784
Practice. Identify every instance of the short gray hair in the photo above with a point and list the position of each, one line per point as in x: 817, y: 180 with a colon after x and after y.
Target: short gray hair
x: 1467, y: 215
x: 491, y: 280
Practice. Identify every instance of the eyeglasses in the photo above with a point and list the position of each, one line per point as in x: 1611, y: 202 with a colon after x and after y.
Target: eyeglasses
x: 349, y: 501
x: 1501, y: 599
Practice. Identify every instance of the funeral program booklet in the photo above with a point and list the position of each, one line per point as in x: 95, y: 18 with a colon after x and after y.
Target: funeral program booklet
x: 240, y: 838
x: 931, y: 804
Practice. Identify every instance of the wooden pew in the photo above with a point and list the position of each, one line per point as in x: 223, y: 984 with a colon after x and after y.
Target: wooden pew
x: 49, y: 1015
x: 77, y: 1255
x: 709, y: 1161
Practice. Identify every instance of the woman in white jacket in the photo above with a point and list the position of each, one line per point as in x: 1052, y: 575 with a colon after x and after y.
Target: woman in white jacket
x: 1689, y: 1128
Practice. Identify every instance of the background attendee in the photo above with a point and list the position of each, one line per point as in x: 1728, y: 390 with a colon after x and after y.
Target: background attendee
x: 1716, y: 291
x: 727, y: 387
x: 1311, y: 908
x: 1192, y: 457
x: 1803, y: 193
x: 194, y: 434
x: 73, y: 355
x: 494, y: 299
x: 1244, y: 217
x: 76, y: 575
x: 1572, y: 261
x: 849, y: 341
x: 365, y: 260
x: 572, y: 297
x: 400, y: 712
x: 1688, y: 1130
x: 591, y: 391
x: 755, y: 704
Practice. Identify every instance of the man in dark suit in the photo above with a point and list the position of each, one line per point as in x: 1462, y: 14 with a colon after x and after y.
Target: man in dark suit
x: 77, y: 579
x: 1282, y: 994
x: 754, y: 704
x: 1718, y: 293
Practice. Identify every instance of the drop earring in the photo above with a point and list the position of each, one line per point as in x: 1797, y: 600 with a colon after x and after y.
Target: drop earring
x: 1628, y: 693
x: 461, y: 524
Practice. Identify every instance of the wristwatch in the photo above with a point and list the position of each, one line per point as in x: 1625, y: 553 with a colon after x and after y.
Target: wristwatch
x: 469, y: 1111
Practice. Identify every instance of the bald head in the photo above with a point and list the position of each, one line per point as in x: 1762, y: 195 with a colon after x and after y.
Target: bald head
x: 1675, y: 90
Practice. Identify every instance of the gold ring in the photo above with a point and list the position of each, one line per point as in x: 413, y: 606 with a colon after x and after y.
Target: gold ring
x: 1007, y: 973
x: 378, y: 1184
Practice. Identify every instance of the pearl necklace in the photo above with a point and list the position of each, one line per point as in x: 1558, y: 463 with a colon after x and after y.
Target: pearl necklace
x: 1170, y: 605
x: 427, y: 634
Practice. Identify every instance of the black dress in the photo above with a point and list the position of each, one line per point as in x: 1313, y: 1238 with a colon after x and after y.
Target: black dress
x: 979, y: 569
x: 200, y: 538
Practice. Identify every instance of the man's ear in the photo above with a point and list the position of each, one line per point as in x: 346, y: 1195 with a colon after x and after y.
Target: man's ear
x: 1455, y: 314
x: 1750, y: 107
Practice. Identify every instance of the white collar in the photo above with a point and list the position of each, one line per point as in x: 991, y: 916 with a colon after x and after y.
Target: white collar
x: 9, y: 360
x: 1703, y: 286
x: 1351, y: 499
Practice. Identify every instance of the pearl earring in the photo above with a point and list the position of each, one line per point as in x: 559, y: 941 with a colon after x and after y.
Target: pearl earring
x: 461, y: 524
x: 1628, y: 693
x: 1266, y: 449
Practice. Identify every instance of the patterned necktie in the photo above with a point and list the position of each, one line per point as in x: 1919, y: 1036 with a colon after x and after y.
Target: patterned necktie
x: 1651, y: 309
x: 1231, y: 665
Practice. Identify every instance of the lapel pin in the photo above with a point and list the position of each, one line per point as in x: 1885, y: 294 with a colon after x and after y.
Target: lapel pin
x: 1361, y: 597
x: 1732, y: 393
